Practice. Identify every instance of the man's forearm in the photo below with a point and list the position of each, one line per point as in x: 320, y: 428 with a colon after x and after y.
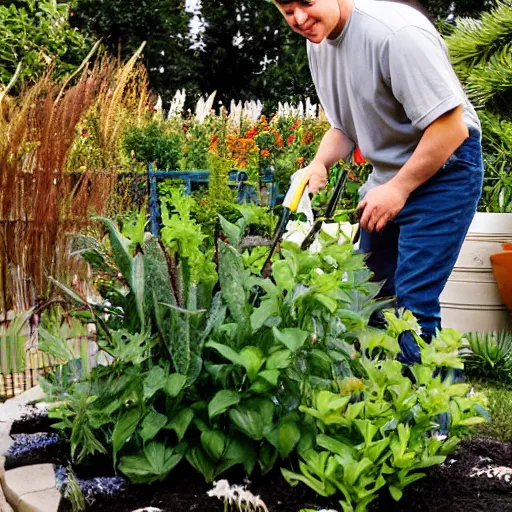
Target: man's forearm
x: 438, y: 142
x: 334, y: 146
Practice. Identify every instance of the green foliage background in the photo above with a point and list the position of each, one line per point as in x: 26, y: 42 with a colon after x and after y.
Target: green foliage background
x: 38, y: 33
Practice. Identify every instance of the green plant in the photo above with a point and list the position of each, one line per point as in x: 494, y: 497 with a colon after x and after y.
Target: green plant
x: 480, y: 53
x: 379, y: 430
x: 227, y: 374
x: 185, y: 240
x: 490, y: 355
x: 37, y: 34
x: 251, y: 371
x: 218, y: 181
x: 156, y: 142
x: 500, y: 409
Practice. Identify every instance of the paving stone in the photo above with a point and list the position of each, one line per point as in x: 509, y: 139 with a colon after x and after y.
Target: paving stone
x: 14, y: 408
x: 41, y: 501
x: 5, y: 439
x: 4, y: 506
x: 28, y: 479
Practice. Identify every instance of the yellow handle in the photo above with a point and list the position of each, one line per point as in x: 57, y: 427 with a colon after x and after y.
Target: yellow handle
x: 294, y: 203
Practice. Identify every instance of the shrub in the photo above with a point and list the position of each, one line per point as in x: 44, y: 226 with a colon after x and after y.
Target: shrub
x: 490, y: 356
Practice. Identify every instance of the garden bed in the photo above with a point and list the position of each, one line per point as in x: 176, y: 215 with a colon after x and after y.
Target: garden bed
x: 463, y: 483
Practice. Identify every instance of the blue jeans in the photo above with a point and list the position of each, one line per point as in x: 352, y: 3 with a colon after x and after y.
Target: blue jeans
x: 415, y: 253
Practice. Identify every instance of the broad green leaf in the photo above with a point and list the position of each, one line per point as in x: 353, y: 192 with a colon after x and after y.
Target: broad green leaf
x: 153, y: 465
x: 180, y: 422
x: 151, y: 425
x: 252, y: 359
x: 172, y: 326
x: 271, y: 376
x: 279, y: 360
x: 430, y: 461
x: 232, y: 277
x: 374, y: 451
x: 201, y: 463
x: 214, y: 443
x: 125, y: 427
x: 222, y: 401
x: 174, y: 384
x: 232, y: 231
x: 471, y: 422
x: 396, y: 492
x: 216, y: 317
x: 154, y: 381
x: 248, y: 421
x: 329, y: 303
x: 267, y: 457
x: 226, y: 351
x: 137, y: 285
x: 134, y: 231
x: 292, y: 338
x: 322, y: 488
x: 342, y: 450
x: 120, y: 245
x: 267, y: 310
x: 288, y: 437
x: 355, y: 470
x: 283, y: 275
x: 240, y: 450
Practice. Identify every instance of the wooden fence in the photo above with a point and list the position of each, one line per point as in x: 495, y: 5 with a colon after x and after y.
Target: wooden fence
x: 22, y: 363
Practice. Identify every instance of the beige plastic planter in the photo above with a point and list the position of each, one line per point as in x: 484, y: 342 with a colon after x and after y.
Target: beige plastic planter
x: 471, y: 301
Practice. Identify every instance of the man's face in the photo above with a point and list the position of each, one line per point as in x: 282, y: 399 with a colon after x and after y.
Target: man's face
x: 313, y: 19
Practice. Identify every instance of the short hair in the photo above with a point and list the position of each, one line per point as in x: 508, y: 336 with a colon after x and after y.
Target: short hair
x: 286, y: 2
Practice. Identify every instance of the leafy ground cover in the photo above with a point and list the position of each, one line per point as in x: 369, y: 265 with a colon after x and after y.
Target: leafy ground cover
x: 220, y: 371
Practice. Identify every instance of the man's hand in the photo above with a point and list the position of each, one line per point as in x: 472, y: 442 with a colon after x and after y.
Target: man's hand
x: 380, y: 205
x: 318, y: 176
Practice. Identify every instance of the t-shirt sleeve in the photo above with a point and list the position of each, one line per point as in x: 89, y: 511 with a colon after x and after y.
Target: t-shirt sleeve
x: 421, y: 76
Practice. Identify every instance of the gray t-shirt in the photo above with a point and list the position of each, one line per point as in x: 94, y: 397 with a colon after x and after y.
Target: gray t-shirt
x: 383, y: 80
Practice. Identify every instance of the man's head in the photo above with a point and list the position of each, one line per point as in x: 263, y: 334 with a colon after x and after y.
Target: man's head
x: 315, y: 19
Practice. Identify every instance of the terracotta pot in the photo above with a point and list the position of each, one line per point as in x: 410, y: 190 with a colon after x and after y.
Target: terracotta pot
x: 507, y: 247
x: 502, y: 270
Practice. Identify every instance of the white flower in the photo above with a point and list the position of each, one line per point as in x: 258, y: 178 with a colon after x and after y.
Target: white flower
x: 238, y: 496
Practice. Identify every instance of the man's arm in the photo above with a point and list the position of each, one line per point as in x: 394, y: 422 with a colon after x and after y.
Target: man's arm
x: 440, y: 139
x: 334, y: 146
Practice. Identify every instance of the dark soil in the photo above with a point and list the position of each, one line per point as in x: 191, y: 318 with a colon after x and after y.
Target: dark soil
x: 33, y: 422
x: 447, y: 488
x: 450, y: 488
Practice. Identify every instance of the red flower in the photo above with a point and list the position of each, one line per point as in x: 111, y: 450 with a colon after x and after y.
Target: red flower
x: 358, y: 156
x: 251, y: 133
x: 279, y: 140
x: 308, y: 138
x: 296, y: 124
x: 290, y: 139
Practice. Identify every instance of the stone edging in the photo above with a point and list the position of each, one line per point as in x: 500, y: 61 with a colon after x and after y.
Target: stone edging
x: 29, y: 488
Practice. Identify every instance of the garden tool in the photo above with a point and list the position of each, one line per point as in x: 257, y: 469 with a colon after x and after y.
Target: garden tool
x: 293, y: 199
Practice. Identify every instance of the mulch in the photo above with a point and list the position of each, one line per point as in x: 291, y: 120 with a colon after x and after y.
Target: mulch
x: 448, y: 487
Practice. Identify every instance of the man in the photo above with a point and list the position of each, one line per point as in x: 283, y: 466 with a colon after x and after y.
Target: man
x: 384, y: 79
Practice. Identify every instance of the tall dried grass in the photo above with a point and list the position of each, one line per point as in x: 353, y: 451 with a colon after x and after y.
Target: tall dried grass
x: 41, y: 203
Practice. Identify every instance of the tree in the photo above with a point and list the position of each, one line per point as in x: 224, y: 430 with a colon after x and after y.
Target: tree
x: 481, y: 53
x: 125, y: 24
x: 37, y: 33
x: 249, y: 52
